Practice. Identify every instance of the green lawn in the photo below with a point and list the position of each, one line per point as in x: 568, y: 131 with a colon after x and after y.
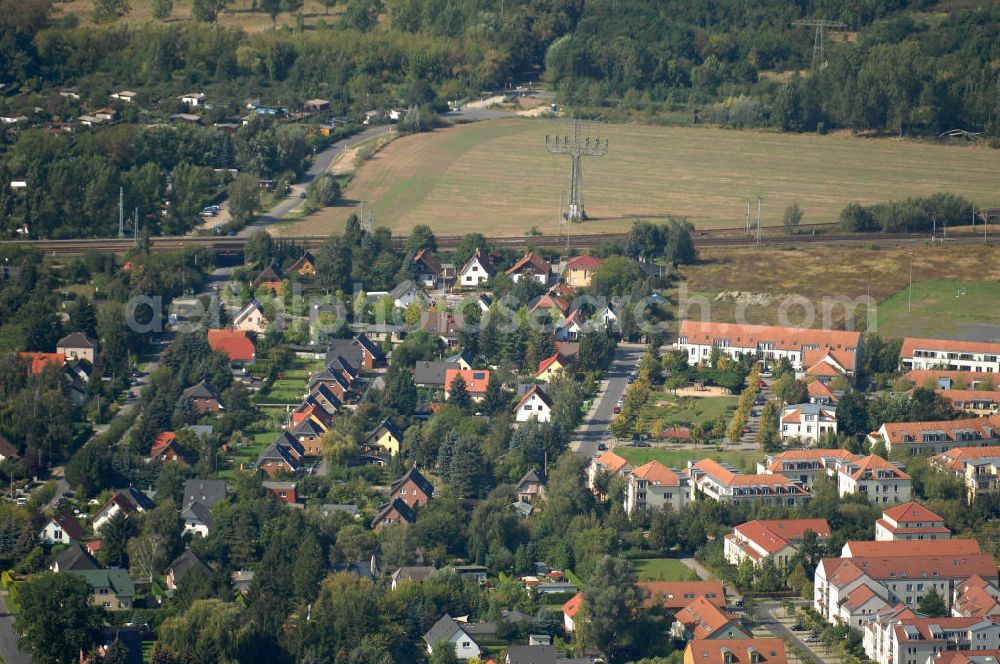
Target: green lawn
x: 662, y: 569
x: 745, y: 461
x: 685, y: 411
x: 944, y: 307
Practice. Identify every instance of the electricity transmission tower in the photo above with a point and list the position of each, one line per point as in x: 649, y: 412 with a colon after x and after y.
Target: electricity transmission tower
x: 577, y: 148
x: 819, y: 45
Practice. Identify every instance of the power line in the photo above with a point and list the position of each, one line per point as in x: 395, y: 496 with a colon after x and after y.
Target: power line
x: 819, y: 41
x: 577, y: 148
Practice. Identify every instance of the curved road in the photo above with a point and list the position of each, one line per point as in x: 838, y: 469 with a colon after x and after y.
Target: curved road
x: 321, y: 162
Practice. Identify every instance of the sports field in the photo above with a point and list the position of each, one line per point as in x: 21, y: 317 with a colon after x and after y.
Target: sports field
x: 498, y: 178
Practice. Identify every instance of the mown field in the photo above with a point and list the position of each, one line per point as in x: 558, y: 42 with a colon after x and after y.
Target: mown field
x: 662, y: 569
x: 817, y: 273
x: 674, y: 458
x: 497, y: 177
x: 237, y: 15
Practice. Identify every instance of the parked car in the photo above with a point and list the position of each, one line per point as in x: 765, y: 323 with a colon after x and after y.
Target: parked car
x: 618, y: 408
x: 798, y: 628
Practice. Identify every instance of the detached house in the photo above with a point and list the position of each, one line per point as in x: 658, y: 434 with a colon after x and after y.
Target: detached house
x: 194, y: 99
x: 396, y: 512
x: 476, y: 382
x: 62, y: 528
x: 426, y: 270
x: 412, y: 488
x: 251, y: 318
x: 550, y: 367
x: 77, y: 346
x: 200, y: 496
x: 531, y: 266
x: 386, y: 437
x: 702, y: 619
x: 477, y: 271
x: 304, y: 266
x: 128, y: 501
x: 237, y: 346
x: 110, y: 589
x: 448, y: 629
x: 534, y: 405
x: 183, y: 566
x: 283, y: 456
x: 580, y: 270
x: 531, y: 486
x: 166, y: 450
x: 204, y: 398
x: 270, y: 279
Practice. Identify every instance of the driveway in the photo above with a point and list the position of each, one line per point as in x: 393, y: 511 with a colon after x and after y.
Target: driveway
x: 594, y: 429
x: 9, y: 652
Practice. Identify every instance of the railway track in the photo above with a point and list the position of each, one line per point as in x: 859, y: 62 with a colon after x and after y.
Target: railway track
x: 703, y: 239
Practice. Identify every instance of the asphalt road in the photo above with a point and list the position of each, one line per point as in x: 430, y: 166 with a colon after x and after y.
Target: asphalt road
x: 764, y: 614
x: 321, y: 162
x: 594, y: 429
x: 9, y: 652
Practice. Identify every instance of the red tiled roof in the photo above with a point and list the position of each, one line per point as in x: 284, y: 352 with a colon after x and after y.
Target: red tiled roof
x: 571, y: 607
x: 531, y: 260
x: 965, y: 396
x: 819, y: 390
x: 910, y: 512
x: 584, y: 262
x: 611, y: 461
x: 774, y: 535
x: 656, y: 472
x: 829, y: 357
x: 427, y: 258
x: 923, y: 625
x: 234, y: 343
x: 738, y: 651
x: 476, y: 380
x: 965, y: 656
x: 727, y: 477
x: 956, y: 458
x: 549, y: 361
x: 783, y: 338
x: 973, y: 597
x: 911, y: 344
x: 678, y: 594
x: 549, y: 301
x: 161, y: 442
x: 865, y: 549
x: 945, y: 566
x: 816, y: 454
x: 703, y: 618
x: 859, y: 469
x: 895, y: 430
x: 859, y: 596
x: 40, y: 360
x: 919, y: 377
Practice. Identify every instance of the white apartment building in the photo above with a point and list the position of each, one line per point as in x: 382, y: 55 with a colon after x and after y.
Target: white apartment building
x: 910, y: 521
x: 977, y: 356
x: 807, y: 422
x: 872, y: 476
x: 653, y: 486
x: 724, y: 483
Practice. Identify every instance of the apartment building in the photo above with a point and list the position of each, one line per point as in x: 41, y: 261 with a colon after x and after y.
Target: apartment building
x: 653, y: 486
x: 975, y: 466
x: 803, y: 347
x: 807, y: 422
x: 724, y: 483
x: 910, y: 521
x: 875, y: 478
x: 976, y: 356
x: 776, y: 539
x: 805, y: 466
x: 907, y: 638
x: 939, y: 436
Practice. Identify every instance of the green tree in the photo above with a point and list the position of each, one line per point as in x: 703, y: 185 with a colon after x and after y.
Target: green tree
x: 207, y: 10
x: 400, y: 391
x: 443, y: 652
x: 421, y: 237
x: 324, y: 190
x: 612, y: 601
x: 362, y: 15
x: 272, y: 8
x: 458, y: 393
x: 497, y: 399
x: 932, y: 605
x: 162, y: 9
x: 209, y: 631
x: 55, y: 617
x: 309, y: 567
x: 110, y: 10
x: 792, y: 217
x: 244, y: 197
x: 116, y: 533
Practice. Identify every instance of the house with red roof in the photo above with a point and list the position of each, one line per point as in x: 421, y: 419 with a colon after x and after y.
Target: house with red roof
x: 880, y: 481
x: 236, y: 344
x: 676, y: 595
x: 653, y: 486
x: 868, y: 549
x: 910, y: 521
x: 723, y: 483
x: 821, y: 393
x: 476, y: 381
x: 38, y: 361
x: 976, y: 356
x: 166, y: 450
x: 580, y: 270
x: 571, y: 612
x: 550, y: 367
x: 535, y: 404
x: 803, y: 347
x: 702, y: 619
x: 776, y: 539
x: 531, y: 266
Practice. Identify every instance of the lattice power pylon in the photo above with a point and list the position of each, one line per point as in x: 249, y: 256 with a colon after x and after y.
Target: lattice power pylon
x: 819, y: 43
x: 577, y: 148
